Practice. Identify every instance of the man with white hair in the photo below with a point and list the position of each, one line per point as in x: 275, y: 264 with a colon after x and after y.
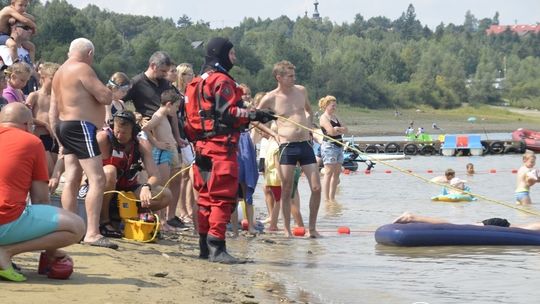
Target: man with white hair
x: 77, y: 111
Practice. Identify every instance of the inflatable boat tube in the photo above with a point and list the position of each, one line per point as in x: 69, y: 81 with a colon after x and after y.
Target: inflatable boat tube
x: 454, y: 198
x: 422, y: 234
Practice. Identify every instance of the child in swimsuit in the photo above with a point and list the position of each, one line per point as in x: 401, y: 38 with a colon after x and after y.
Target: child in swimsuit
x: 526, y: 177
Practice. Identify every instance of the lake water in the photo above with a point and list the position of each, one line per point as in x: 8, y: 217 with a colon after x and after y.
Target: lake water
x: 354, y: 269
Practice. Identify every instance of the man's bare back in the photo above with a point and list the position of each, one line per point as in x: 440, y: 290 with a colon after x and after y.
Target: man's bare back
x: 79, y: 93
x: 294, y: 105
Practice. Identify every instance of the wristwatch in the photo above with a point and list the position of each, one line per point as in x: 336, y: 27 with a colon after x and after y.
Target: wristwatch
x: 147, y: 185
x: 252, y: 115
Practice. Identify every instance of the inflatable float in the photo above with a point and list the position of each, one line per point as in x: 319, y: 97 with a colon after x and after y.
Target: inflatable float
x: 453, y: 198
x: 423, y: 234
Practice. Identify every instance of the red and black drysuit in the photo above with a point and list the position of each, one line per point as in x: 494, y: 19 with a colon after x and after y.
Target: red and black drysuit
x: 216, y: 170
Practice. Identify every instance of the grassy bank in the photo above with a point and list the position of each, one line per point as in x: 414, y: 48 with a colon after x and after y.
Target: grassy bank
x: 363, y: 121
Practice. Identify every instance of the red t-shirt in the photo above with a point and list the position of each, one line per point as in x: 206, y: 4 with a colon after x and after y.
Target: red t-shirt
x: 22, y: 160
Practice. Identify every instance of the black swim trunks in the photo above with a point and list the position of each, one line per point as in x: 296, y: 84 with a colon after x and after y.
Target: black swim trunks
x: 296, y: 152
x: 79, y: 138
x: 496, y: 222
x: 49, y: 143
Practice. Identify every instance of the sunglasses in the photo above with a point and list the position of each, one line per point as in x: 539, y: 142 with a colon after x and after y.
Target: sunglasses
x: 25, y: 27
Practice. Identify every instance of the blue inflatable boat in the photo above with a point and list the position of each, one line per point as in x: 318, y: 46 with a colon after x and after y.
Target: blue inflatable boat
x: 422, y: 234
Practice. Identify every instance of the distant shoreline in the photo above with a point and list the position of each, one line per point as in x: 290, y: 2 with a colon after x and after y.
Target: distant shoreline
x: 363, y: 122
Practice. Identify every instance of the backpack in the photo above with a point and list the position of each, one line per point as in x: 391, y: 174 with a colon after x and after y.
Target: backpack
x: 202, y: 120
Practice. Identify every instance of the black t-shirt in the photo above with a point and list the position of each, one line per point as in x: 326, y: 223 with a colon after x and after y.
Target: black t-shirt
x: 146, y: 95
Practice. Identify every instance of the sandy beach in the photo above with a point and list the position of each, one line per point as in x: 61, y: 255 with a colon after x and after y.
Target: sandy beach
x: 168, y: 271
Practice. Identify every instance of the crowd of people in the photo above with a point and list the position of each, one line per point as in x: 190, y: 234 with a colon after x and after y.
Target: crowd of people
x: 187, y: 152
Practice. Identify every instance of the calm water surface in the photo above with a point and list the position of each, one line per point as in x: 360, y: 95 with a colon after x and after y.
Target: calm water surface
x: 354, y: 269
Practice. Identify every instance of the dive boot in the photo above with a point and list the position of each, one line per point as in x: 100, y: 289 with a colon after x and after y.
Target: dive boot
x: 218, y: 252
x: 203, y: 246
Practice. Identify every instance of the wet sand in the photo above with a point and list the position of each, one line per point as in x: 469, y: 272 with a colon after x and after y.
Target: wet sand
x: 168, y: 271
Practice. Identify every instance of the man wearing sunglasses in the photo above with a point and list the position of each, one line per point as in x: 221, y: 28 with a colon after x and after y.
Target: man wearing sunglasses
x: 20, y: 33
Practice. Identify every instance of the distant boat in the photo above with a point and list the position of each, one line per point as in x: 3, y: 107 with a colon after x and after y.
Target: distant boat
x: 529, y: 137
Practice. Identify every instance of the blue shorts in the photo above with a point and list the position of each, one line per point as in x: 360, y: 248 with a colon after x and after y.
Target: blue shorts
x: 161, y: 156
x: 331, y: 153
x: 522, y: 195
x: 35, y: 221
x: 296, y: 153
x: 4, y: 37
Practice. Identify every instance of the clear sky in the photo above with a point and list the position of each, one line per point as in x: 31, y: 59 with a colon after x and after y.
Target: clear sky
x: 230, y: 13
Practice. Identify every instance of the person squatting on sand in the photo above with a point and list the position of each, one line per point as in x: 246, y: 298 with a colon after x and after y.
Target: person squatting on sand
x: 123, y: 148
x: 28, y: 227
x: 76, y: 112
x: 214, y: 119
x: 291, y: 101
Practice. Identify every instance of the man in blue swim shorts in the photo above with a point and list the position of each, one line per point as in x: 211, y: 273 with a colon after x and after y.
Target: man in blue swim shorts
x: 29, y: 227
x: 290, y: 101
x: 76, y: 112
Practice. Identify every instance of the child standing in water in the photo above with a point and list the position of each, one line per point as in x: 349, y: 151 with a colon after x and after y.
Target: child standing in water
x: 526, y: 177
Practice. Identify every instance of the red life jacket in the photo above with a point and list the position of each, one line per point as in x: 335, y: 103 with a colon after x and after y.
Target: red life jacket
x: 127, y: 164
x: 211, y: 105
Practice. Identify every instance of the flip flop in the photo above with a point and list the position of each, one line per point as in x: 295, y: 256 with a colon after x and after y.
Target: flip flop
x: 103, y: 242
x: 11, y: 275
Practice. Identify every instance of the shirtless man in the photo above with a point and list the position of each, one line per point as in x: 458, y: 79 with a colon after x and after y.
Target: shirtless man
x: 77, y: 107
x: 408, y: 217
x: 291, y: 101
x: 39, y: 103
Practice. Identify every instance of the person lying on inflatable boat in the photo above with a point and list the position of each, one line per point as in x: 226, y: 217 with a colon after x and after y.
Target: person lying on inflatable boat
x: 407, y: 218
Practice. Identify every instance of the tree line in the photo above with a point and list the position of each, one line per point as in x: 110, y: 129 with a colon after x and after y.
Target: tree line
x: 373, y: 63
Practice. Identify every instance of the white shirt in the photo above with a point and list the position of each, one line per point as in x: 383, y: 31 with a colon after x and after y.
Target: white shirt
x: 24, y: 56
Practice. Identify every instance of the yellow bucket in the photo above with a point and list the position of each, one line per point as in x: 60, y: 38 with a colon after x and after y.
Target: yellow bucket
x: 127, y: 206
x: 141, y: 231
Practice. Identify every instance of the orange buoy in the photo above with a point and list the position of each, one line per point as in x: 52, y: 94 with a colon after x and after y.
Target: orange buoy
x: 299, y: 231
x: 388, y: 171
x: 492, y: 171
x: 514, y: 171
x: 245, y: 224
x: 344, y: 230
x: 429, y: 171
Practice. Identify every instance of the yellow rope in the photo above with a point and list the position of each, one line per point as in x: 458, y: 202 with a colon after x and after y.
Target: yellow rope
x: 408, y: 172
x: 121, y: 193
